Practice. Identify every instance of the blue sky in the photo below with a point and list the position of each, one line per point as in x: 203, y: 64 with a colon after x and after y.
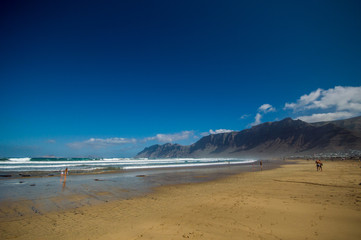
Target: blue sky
x: 107, y: 78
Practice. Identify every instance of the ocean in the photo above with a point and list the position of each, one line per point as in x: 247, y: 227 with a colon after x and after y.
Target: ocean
x: 36, y: 186
x: 92, y: 164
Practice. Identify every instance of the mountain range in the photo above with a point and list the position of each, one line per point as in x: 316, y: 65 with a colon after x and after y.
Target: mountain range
x: 271, y: 139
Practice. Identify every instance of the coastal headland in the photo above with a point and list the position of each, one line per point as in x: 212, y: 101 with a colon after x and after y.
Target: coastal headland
x: 293, y: 201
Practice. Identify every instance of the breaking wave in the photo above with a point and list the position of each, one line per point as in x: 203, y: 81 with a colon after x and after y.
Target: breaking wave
x: 57, y: 164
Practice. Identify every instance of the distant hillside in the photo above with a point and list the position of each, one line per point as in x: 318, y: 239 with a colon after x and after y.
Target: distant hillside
x: 351, y: 124
x: 271, y: 139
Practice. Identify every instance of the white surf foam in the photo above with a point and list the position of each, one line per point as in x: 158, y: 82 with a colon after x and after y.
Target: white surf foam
x: 187, y: 165
x: 24, y: 164
x: 19, y: 159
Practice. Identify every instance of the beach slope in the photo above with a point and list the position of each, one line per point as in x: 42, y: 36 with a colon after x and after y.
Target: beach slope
x: 291, y: 202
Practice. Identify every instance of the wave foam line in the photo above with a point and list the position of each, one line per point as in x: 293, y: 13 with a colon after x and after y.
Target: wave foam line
x: 120, y: 162
x: 19, y: 159
x: 186, y: 165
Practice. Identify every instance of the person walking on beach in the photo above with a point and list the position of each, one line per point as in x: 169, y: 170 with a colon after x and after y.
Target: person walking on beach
x: 319, y: 165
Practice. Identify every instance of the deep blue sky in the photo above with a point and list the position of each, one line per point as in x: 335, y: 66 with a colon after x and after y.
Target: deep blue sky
x: 128, y: 70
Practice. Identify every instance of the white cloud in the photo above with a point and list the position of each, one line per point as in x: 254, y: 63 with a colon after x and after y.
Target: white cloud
x: 220, y: 131
x: 304, y: 100
x: 51, y: 141
x: 257, y: 120
x: 320, y: 117
x: 332, y: 104
x: 244, y: 116
x: 110, y: 141
x: 266, y: 108
x: 340, y: 98
x: 102, y: 142
x: 107, y: 142
x: 170, y: 137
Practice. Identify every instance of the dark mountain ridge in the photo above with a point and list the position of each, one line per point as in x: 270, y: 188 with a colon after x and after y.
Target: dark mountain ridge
x: 271, y: 139
x: 351, y: 124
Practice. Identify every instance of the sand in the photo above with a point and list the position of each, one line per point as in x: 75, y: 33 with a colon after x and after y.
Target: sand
x: 290, y: 202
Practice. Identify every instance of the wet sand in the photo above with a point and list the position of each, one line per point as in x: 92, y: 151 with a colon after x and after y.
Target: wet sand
x: 41, y: 193
x: 291, y: 202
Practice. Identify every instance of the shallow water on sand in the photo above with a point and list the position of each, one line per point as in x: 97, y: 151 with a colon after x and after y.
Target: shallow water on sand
x: 24, y: 196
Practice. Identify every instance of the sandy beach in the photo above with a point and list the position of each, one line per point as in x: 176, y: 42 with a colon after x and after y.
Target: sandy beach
x: 291, y: 202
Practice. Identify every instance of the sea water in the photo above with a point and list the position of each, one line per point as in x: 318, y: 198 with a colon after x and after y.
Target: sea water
x: 89, y: 164
x: 34, y: 195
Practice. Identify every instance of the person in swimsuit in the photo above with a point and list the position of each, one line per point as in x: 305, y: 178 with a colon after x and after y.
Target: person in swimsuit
x: 319, y: 165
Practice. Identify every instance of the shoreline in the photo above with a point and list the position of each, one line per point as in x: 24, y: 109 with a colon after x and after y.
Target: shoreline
x: 50, y: 193
x: 292, y: 201
x: 111, y: 170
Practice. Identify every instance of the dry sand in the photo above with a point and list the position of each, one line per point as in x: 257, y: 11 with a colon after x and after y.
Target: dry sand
x: 291, y: 202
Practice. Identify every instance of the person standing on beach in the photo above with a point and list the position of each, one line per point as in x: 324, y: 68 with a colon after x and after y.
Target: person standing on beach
x: 261, y: 164
x: 66, y: 173
x: 61, y: 175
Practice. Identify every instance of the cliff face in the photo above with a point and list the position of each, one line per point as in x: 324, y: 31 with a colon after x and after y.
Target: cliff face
x: 280, y: 138
x: 351, y: 124
x: 167, y: 150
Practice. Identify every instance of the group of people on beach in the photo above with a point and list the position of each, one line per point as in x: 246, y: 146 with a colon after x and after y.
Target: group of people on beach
x: 260, y: 165
x: 319, y: 165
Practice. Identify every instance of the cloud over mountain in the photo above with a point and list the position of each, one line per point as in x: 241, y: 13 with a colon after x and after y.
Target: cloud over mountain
x: 257, y: 120
x: 263, y: 109
x: 170, y: 137
x: 326, y: 105
x: 266, y: 108
x: 220, y: 131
